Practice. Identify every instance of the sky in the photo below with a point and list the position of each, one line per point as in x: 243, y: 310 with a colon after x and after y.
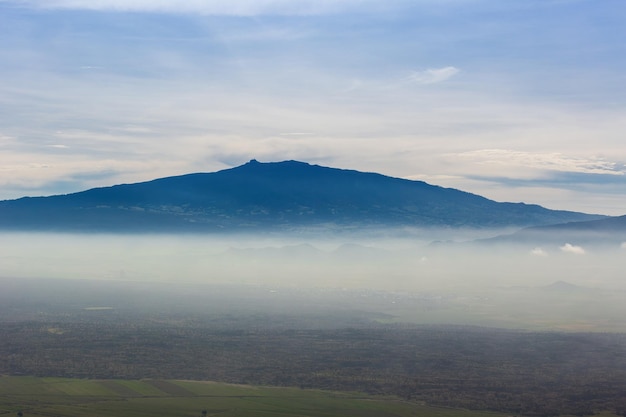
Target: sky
x: 520, y: 100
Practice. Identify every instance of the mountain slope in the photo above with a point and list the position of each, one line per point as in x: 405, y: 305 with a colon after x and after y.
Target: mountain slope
x: 279, y: 195
x: 609, y: 231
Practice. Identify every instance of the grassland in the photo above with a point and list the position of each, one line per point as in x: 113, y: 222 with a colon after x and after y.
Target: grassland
x: 66, y: 397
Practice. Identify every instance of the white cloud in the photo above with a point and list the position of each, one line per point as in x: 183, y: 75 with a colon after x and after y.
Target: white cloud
x: 555, y: 161
x: 538, y: 252
x: 569, y: 248
x: 433, y: 76
x: 623, y: 245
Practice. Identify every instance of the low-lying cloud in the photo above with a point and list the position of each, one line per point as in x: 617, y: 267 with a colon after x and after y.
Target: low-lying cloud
x: 569, y: 248
x: 538, y: 252
x: 380, y: 261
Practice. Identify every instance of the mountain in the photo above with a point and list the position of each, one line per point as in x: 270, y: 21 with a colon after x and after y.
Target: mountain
x: 564, y: 288
x: 274, y: 196
x: 277, y: 254
x: 610, y: 231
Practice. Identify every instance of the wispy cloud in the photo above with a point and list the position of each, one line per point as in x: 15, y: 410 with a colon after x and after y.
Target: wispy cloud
x: 212, y: 7
x: 433, y: 76
x: 554, y: 161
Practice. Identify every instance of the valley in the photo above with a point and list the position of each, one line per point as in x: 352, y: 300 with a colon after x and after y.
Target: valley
x: 373, y: 343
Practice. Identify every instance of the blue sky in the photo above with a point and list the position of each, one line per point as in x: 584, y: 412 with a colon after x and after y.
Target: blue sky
x: 514, y: 100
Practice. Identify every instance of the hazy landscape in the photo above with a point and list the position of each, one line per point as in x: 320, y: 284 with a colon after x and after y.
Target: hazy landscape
x: 348, y: 284
x: 526, y: 320
x: 310, y: 208
x: 404, y: 323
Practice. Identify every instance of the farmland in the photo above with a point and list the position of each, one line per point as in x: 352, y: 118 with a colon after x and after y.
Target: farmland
x: 64, y: 397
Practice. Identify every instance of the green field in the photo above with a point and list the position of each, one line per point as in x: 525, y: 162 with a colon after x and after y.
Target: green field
x: 63, y: 397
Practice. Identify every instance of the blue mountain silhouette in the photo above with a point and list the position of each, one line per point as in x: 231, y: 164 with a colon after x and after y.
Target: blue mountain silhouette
x: 270, y: 196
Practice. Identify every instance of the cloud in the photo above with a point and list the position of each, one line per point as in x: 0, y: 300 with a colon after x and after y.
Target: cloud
x: 569, y: 248
x: 433, y: 76
x: 623, y: 245
x: 538, y: 252
x: 297, y: 134
x: 554, y: 161
x: 215, y: 7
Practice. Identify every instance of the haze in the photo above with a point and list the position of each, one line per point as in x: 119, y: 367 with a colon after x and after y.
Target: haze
x: 561, y: 286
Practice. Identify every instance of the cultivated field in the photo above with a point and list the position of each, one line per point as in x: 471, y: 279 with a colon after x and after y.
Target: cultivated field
x: 63, y: 397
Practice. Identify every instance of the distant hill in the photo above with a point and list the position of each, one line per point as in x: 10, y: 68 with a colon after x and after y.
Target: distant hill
x: 563, y: 287
x: 609, y: 231
x: 270, y: 196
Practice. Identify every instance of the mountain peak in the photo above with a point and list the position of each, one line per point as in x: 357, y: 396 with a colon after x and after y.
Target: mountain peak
x: 286, y: 163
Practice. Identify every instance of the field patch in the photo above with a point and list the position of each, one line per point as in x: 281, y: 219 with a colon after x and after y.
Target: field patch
x: 141, y: 387
x: 120, y: 389
x: 79, y: 387
x: 170, y: 388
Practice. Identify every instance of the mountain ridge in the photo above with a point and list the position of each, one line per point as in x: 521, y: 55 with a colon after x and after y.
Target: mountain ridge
x: 274, y: 195
x: 610, y: 231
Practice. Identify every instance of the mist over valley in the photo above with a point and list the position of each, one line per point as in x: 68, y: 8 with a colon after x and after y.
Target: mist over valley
x: 485, y: 279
